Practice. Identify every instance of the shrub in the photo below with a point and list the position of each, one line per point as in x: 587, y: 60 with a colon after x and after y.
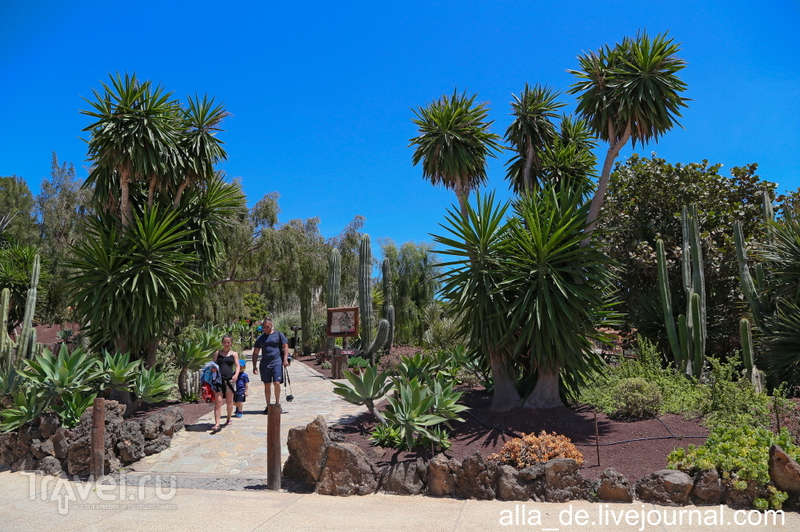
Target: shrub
x: 326, y: 365
x: 731, y: 400
x: 680, y: 394
x: 357, y: 362
x: 637, y: 398
x: 531, y: 449
x: 739, y: 453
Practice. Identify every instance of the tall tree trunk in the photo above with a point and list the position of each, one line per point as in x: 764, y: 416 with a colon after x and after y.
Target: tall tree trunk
x: 463, y: 196
x: 150, y: 359
x: 545, y: 393
x: 178, y: 195
x: 151, y: 191
x: 505, y: 395
x: 182, y: 383
x: 124, y: 197
x: 602, y: 185
x: 526, y: 172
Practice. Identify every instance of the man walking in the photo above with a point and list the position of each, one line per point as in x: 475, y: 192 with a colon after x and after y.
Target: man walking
x: 276, y: 356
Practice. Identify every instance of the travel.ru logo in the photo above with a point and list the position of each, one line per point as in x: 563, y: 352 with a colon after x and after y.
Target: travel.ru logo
x: 111, y: 493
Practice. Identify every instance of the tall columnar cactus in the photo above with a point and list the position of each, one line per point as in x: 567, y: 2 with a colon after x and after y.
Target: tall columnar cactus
x: 26, y: 342
x: 6, y: 344
x: 754, y: 290
x: 334, y: 281
x: 12, y: 352
x: 305, y: 315
x: 365, y: 290
x: 388, y: 308
x: 688, y: 339
x: 755, y: 375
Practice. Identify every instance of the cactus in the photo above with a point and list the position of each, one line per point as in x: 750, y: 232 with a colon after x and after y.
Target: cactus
x: 753, y: 374
x: 380, y: 340
x: 388, y: 308
x: 334, y: 280
x: 334, y: 277
x: 26, y: 346
x: 390, y: 319
x: 26, y: 342
x: 365, y: 292
x: 688, y: 339
x: 753, y: 290
x: 305, y: 315
x: 747, y: 346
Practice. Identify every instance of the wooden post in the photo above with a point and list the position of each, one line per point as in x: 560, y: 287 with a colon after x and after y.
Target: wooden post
x: 97, y: 456
x: 596, y: 438
x: 337, y: 372
x: 274, y: 446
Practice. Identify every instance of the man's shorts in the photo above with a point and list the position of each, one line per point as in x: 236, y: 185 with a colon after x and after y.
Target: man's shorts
x: 272, y: 372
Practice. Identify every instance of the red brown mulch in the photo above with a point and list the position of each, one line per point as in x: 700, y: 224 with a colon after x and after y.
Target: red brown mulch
x: 633, y: 459
x: 191, y: 411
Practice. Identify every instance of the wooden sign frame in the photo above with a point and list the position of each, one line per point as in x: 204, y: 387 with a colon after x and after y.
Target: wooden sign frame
x: 342, y: 322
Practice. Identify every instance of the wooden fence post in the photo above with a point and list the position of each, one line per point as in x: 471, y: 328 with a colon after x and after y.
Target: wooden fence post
x: 97, y: 456
x: 274, y: 447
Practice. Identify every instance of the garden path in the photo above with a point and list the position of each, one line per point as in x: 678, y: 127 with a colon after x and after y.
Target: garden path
x: 239, y: 450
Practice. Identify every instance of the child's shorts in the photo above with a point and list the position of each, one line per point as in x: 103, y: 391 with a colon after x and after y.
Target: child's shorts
x: 239, y: 398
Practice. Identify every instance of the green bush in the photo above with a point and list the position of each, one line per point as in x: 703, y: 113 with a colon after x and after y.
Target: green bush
x: 357, y: 362
x: 730, y: 400
x: 680, y: 394
x: 739, y: 453
x: 637, y: 398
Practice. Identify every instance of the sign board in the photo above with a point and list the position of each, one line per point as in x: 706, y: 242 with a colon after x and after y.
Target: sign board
x: 342, y: 321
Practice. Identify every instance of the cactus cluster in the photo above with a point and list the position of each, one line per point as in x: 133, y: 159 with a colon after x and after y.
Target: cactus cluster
x: 26, y: 346
x: 368, y: 345
x: 688, y: 339
x: 756, y: 295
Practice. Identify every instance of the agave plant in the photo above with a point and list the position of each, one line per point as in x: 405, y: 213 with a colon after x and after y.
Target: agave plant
x: 417, y: 366
x: 365, y: 389
x: 411, y: 412
x: 150, y: 386
x: 190, y: 355
x: 27, y: 405
x: 119, y: 371
x: 72, y: 407
x: 68, y: 373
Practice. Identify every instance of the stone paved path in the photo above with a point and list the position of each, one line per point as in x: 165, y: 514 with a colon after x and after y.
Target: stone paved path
x: 240, y: 449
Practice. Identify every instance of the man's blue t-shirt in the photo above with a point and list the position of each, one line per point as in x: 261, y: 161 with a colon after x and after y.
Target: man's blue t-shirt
x: 271, y: 348
x: 241, y: 382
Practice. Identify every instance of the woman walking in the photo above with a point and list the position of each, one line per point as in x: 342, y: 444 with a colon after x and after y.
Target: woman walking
x: 228, y: 362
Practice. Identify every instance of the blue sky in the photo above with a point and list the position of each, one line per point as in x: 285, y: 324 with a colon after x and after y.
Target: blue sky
x: 321, y: 92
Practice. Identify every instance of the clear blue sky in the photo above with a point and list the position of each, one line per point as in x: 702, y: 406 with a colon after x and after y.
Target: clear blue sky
x: 320, y: 92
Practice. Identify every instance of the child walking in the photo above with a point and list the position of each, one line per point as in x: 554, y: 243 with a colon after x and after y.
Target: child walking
x: 242, y: 387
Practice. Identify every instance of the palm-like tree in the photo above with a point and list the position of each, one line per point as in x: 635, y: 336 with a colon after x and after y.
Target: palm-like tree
x: 631, y: 91
x: 134, y: 140
x: 530, y: 133
x: 199, y: 146
x: 454, y: 143
x: 129, y: 282
x: 559, y: 292
x: 471, y: 285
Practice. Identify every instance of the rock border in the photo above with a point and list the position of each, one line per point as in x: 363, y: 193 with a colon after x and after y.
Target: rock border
x: 331, y: 468
x: 50, y: 449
